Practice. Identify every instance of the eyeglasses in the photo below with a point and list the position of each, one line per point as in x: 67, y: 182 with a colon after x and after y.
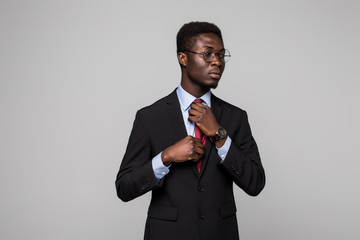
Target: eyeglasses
x: 209, y: 55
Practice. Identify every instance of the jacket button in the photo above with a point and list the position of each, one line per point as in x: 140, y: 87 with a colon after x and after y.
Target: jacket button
x: 145, y: 186
x: 202, y: 215
x: 201, y: 188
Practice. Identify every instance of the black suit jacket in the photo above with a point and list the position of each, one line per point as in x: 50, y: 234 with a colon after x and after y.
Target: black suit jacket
x: 185, y: 204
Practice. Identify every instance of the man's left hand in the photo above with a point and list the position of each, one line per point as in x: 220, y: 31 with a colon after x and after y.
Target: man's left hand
x: 204, y: 118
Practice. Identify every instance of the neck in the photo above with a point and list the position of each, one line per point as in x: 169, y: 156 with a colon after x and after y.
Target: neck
x: 195, y: 90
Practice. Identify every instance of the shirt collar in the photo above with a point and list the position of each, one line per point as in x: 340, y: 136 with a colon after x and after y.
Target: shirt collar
x: 186, y: 98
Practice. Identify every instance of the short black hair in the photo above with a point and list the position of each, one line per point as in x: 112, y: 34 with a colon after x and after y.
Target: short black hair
x: 186, y: 34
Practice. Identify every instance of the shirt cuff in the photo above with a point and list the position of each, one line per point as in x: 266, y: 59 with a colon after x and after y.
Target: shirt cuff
x: 222, y: 152
x: 160, y: 170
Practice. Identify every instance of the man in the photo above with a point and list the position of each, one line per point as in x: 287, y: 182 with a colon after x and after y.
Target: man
x: 190, y: 153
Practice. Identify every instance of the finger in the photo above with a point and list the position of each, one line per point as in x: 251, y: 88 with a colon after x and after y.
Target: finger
x: 198, y: 155
x: 197, y: 106
x: 199, y: 144
x: 192, y: 140
x: 194, y: 112
x: 199, y: 148
x: 192, y: 155
x: 200, y: 152
x: 202, y: 107
x: 197, y: 141
x: 194, y: 119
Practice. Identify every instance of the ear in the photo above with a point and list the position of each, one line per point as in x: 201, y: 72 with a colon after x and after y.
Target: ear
x: 182, y: 58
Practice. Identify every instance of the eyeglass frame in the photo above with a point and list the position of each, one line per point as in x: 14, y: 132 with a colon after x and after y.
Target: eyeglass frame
x: 213, y: 55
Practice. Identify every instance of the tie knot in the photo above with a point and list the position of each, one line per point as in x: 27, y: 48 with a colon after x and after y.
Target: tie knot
x: 199, y: 100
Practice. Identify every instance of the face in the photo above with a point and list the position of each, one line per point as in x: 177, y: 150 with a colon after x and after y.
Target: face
x: 197, y: 73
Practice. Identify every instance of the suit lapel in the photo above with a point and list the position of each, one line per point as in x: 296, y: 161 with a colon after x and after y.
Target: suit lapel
x: 216, y: 107
x: 176, y: 118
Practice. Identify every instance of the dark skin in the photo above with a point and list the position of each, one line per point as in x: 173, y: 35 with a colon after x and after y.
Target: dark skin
x: 197, y: 78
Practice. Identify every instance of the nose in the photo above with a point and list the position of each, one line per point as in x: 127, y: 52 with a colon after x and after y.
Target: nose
x: 216, y: 61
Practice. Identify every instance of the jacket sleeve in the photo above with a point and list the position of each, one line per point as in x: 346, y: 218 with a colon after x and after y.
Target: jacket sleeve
x: 243, y: 162
x: 136, y: 176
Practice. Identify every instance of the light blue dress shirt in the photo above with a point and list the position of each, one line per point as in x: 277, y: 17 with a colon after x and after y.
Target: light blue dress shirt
x: 186, y: 99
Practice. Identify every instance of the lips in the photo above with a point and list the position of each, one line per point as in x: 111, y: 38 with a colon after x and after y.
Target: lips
x: 215, y: 74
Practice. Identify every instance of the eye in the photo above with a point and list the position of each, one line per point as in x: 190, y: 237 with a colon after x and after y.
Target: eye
x: 208, y: 54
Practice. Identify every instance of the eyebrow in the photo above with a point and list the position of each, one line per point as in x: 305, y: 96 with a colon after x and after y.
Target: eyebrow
x: 213, y: 48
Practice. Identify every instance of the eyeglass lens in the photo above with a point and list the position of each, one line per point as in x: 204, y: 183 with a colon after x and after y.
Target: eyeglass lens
x: 209, y: 55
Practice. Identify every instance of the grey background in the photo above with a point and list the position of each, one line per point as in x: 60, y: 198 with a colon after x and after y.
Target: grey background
x: 73, y: 74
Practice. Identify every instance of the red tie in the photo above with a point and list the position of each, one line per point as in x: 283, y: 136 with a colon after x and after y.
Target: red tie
x: 199, y: 134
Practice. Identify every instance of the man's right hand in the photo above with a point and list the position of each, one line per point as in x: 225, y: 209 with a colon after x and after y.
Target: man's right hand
x: 186, y: 149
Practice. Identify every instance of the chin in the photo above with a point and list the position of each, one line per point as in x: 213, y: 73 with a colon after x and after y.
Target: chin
x: 212, y: 84
x: 209, y: 85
